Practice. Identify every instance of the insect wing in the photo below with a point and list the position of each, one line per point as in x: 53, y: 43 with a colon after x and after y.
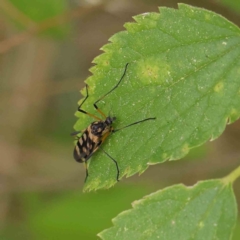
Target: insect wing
x: 86, y: 145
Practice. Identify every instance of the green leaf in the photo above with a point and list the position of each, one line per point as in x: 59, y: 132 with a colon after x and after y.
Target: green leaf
x: 207, y: 210
x: 183, y: 69
x: 40, y: 10
x: 233, y: 4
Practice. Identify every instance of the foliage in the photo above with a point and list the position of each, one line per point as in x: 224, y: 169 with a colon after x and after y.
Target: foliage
x: 182, y: 70
x: 33, y: 12
x: 205, y: 211
x: 233, y: 4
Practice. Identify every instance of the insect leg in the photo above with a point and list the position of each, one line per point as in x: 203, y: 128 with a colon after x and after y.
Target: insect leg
x: 99, y: 147
x: 77, y: 132
x: 115, y: 130
x: 113, y: 161
x: 95, y: 104
x: 82, y: 111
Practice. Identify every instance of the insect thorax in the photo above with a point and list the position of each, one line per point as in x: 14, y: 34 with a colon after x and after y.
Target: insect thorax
x: 99, y: 128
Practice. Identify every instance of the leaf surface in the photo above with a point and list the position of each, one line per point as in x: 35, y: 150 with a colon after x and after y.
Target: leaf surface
x: 33, y: 12
x: 183, y: 69
x: 232, y: 4
x: 205, y: 211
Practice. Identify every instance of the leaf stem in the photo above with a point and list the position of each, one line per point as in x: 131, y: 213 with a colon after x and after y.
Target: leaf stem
x: 230, y: 178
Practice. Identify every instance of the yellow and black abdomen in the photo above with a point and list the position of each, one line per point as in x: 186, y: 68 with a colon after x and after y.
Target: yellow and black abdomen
x: 90, y: 140
x: 86, y: 145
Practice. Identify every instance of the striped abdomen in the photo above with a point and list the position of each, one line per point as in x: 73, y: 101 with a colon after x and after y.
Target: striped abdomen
x: 90, y: 140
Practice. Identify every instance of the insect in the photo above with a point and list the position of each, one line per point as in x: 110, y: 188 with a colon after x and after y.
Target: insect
x: 97, y: 132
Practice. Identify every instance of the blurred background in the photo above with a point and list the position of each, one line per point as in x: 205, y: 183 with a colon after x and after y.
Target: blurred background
x: 46, y: 49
